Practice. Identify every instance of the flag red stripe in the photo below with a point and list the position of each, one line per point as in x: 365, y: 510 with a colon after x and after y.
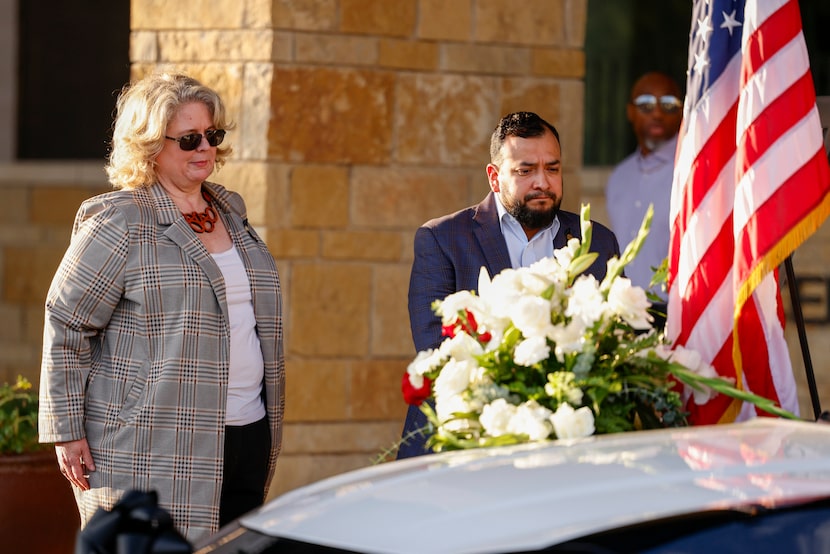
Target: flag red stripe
x: 776, y: 31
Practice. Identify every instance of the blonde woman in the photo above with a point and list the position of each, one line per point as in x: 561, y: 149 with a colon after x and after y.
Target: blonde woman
x: 163, y: 362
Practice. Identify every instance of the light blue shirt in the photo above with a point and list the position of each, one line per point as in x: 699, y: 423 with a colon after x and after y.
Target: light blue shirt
x: 634, y: 184
x: 525, y: 252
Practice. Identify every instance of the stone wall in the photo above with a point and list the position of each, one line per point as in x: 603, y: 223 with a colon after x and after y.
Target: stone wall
x: 358, y: 120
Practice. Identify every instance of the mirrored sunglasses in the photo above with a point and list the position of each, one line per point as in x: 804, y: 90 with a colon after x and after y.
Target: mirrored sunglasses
x: 192, y: 141
x: 668, y: 103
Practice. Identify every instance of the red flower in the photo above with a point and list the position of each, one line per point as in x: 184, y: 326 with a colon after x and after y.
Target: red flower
x: 469, y: 325
x: 411, y: 394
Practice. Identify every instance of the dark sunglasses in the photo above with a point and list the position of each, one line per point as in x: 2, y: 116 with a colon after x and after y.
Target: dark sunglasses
x: 193, y: 140
x: 668, y: 103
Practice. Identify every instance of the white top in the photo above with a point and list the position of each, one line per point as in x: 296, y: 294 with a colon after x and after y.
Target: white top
x: 523, y: 252
x: 246, y: 366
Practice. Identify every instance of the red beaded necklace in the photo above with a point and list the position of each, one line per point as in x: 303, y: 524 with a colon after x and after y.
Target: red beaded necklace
x: 203, y: 222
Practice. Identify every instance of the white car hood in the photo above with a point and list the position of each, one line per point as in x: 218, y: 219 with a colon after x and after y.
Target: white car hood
x: 531, y: 496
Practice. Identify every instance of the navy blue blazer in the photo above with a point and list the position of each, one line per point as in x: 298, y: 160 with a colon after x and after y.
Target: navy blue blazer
x: 449, y: 254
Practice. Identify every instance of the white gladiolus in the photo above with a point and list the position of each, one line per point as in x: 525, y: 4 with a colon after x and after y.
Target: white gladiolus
x: 630, y: 303
x: 532, y: 420
x: 425, y: 361
x: 572, y: 424
x: 461, y: 347
x: 531, y: 351
x: 692, y: 360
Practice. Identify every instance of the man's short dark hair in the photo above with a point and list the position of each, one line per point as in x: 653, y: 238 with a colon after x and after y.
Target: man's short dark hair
x: 518, y: 124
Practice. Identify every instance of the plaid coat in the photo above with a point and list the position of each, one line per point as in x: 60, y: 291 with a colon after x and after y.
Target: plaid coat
x: 136, y: 351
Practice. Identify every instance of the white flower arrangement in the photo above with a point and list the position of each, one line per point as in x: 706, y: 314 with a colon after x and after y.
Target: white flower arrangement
x: 543, y: 352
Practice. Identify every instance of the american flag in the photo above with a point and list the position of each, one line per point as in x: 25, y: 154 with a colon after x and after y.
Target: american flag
x: 751, y: 183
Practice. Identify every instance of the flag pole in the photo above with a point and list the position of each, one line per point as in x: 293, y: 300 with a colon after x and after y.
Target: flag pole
x: 802, y: 336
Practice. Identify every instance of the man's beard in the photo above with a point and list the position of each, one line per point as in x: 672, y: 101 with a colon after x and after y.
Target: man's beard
x: 530, y: 218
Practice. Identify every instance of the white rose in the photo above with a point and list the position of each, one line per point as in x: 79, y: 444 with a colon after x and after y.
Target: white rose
x: 461, y: 347
x: 454, y: 378
x: 495, y: 417
x: 425, y: 361
x: 457, y: 302
x: 585, y: 300
x: 447, y: 406
x: 572, y: 424
x: 531, y: 316
x: 531, y: 351
x: 531, y: 419
x: 630, y: 303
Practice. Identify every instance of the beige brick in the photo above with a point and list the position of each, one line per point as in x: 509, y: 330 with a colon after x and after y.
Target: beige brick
x: 407, y: 54
x: 391, y: 335
x: 445, y: 119
x: 290, y: 243
x: 320, y: 197
x: 336, y: 49
x: 263, y: 186
x: 144, y: 46
x: 362, y: 245
x: 316, y: 390
x: 28, y: 272
x: 378, y: 17
x: 445, y: 20
x: 376, y: 390
x: 331, y: 116
x: 258, y: 14
x: 532, y: 95
x: 570, y: 122
x: 306, y: 15
x: 16, y: 204
x: 329, y: 309
x: 379, y: 192
x: 162, y: 14
x: 56, y: 205
x: 486, y: 59
x: 576, y: 22
x: 342, y: 437
x: 202, y: 46
x: 12, y: 316
x: 568, y: 63
x: 538, y: 22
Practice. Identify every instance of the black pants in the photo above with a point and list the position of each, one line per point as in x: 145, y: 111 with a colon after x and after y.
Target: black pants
x: 247, y: 448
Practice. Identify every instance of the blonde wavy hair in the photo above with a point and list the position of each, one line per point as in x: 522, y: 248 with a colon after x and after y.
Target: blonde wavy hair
x: 143, y: 111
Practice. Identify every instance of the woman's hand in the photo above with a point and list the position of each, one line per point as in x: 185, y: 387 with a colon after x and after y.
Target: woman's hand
x: 75, y: 462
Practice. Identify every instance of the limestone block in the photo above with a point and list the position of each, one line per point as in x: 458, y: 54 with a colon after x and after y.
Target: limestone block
x: 559, y: 62
x: 387, y: 198
x: 258, y: 14
x: 316, y: 390
x: 263, y: 186
x: 391, y: 334
x: 13, y: 318
x: 22, y: 235
x: 292, y: 243
x: 305, y: 15
x: 376, y: 390
x: 345, y: 437
x: 445, y: 119
x: 377, y: 17
x: 362, y: 245
x: 319, y: 197
x: 571, y: 121
x: 217, y: 45
x: 540, y: 96
x: 319, y: 48
x: 486, y: 59
x: 407, y: 54
x: 212, y: 14
x: 56, y: 205
x: 576, y: 22
x: 27, y: 273
x: 538, y: 22
x: 445, y: 20
x: 16, y: 205
x: 144, y: 46
x: 329, y: 309
x: 255, y: 116
x: 331, y: 115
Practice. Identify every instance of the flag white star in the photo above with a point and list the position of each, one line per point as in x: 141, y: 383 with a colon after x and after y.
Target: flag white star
x: 700, y: 62
x: 704, y: 29
x: 729, y: 22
